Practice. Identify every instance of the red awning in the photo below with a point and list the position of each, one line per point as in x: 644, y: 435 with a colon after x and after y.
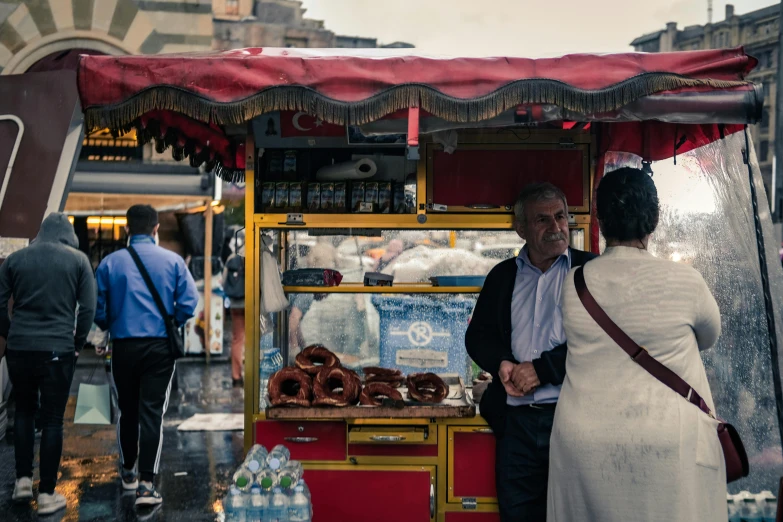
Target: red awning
x: 200, y: 92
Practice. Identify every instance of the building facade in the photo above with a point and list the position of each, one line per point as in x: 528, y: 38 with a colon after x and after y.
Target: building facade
x: 758, y: 32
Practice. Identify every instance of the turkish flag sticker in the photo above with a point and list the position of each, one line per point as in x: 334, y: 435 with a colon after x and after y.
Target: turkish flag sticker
x: 295, y: 124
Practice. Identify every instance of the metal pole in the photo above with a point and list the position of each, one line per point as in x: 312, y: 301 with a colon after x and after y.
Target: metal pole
x: 778, y: 136
x: 207, y: 276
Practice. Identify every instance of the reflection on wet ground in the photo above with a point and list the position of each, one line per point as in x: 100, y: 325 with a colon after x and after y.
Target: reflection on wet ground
x: 195, y: 466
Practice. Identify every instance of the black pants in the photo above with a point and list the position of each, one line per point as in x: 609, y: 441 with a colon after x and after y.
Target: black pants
x: 522, y: 464
x: 143, y: 370
x: 42, y: 382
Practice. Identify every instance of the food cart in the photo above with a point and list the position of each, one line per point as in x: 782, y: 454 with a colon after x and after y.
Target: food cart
x: 447, y: 144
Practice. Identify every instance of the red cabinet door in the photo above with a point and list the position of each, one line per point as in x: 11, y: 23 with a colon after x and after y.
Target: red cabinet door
x: 471, y: 453
x: 307, y: 440
x: 371, y: 493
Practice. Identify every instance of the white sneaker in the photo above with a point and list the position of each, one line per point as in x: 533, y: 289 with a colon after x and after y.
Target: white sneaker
x: 23, y: 491
x: 48, y: 504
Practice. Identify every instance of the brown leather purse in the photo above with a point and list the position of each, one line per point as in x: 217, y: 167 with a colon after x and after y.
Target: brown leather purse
x: 734, y: 454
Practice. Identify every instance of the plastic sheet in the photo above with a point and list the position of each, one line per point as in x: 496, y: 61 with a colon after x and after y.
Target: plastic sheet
x: 707, y: 221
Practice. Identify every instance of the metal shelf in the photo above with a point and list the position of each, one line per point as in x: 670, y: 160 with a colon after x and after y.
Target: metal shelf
x: 403, y: 288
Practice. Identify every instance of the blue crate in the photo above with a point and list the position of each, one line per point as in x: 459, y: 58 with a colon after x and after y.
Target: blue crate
x: 424, y: 333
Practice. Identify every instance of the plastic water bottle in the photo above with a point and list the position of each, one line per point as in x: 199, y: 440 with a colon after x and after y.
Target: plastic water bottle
x: 256, y: 458
x: 278, y: 458
x: 750, y: 512
x: 278, y: 507
x: 768, y: 505
x: 291, y: 474
x: 299, y: 506
x: 257, y: 506
x: 267, y: 479
x: 234, y: 506
x: 243, y: 479
x: 268, y: 367
x: 732, y: 508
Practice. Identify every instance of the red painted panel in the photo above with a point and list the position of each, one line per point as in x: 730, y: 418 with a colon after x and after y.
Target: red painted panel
x: 472, y: 516
x: 355, y: 495
x: 473, y: 176
x: 474, y: 464
x: 393, y: 450
x: 330, y: 443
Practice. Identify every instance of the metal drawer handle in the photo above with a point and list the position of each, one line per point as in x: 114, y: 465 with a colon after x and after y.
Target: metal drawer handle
x: 432, y: 501
x: 302, y: 440
x: 387, y: 438
x: 484, y: 430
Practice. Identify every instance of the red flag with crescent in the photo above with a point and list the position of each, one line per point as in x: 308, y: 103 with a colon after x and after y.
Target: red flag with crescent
x: 294, y: 124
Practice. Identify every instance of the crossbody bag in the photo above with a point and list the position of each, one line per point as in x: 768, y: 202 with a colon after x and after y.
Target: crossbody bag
x: 734, y: 454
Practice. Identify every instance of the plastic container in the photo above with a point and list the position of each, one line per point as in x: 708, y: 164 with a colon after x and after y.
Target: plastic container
x: 244, y: 479
x: 749, y: 509
x: 267, y: 479
x: 234, y: 506
x: 268, y: 367
x: 257, y: 505
x: 299, y: 507
x: 291, y: 474
x: 424, y: 333
x: 733, y: 509
x: 278, y: 458
x: 768, y: 505
x: 278, y: 507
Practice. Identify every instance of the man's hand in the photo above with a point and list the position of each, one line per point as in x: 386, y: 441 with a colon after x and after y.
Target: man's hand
x: 524, y: 378
x: 506, y: 371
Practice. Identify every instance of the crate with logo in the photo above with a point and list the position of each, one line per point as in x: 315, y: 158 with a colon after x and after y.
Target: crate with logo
x: 424, y: 333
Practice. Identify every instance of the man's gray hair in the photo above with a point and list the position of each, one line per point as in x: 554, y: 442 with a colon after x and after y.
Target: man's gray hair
x: 537, y: 192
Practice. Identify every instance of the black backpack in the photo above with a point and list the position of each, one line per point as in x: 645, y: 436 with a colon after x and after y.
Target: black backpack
x: 234, y: 285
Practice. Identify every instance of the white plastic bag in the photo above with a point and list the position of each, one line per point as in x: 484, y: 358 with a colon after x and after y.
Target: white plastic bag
x: 273, y: 297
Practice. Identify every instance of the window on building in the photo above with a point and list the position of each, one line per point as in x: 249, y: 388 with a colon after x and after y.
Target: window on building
x: 765, y: 120
x: 232, y: 7
x: 764, y: 151
x: 766, y: 85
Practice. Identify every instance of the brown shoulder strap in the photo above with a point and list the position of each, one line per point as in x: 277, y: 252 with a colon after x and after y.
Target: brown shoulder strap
x: 636, y: 352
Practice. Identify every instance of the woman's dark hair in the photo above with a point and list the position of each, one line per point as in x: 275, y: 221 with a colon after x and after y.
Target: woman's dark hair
x: 141, y: 220
x: 627, y: 205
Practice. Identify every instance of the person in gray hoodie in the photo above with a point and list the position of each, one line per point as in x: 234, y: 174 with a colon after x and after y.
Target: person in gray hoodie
x: 52, y: 287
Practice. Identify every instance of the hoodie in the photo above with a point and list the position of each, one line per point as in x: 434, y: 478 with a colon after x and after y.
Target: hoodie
x: 52, y: 285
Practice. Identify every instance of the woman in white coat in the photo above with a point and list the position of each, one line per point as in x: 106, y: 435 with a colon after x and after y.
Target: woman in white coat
x: 624, y: 446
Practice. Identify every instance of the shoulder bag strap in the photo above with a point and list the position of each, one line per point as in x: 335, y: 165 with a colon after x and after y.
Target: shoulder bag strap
x: 638, y: 353
x: 148, y: 280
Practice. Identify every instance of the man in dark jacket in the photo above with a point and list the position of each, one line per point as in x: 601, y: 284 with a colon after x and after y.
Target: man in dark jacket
x: 53, y: 288
x: 516, y: 334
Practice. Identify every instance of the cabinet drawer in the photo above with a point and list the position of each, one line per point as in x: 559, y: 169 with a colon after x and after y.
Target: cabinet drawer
x: 347, y: 493
x: 471, y: 464
x: 307, y: 440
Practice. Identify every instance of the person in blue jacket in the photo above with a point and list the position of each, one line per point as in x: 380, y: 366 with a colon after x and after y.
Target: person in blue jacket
x: 142, y: 364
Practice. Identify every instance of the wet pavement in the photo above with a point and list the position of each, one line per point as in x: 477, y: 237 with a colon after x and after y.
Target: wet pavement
x: 195, y: 466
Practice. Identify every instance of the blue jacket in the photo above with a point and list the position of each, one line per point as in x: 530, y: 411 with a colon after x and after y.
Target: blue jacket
x: 125, y: 306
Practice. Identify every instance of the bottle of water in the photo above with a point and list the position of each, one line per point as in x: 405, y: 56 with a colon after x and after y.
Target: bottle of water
x: 306, y: 491
x: 750, y: 511
x: 268, y: 367
x: 733, y: 509
x: 243, y: 479
x: 278, y: 507
x: 291, y: 474
x: 267, y: 479
x: 257, y: 506
x: 234, y: 506
x: 299, y: 506
x: 256, y: 458
x: 278, y: 458
x: 768, y: 505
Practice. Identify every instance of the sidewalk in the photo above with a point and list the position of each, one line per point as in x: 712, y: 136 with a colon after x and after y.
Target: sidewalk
x: 89, y: 465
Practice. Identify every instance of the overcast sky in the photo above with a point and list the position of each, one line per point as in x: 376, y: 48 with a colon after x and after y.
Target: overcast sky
x: 533, y: 28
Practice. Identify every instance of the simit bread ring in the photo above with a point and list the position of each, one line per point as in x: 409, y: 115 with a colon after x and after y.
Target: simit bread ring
x: 392, y: 380
x: 290, y: 386
x: 377, y: 370
x: 426, y: 387
x: 336, y: 386
x: 316, y: 353
x: 374, y: 391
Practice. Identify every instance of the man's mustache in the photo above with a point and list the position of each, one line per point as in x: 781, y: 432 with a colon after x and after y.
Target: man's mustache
x: 551, y: 238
